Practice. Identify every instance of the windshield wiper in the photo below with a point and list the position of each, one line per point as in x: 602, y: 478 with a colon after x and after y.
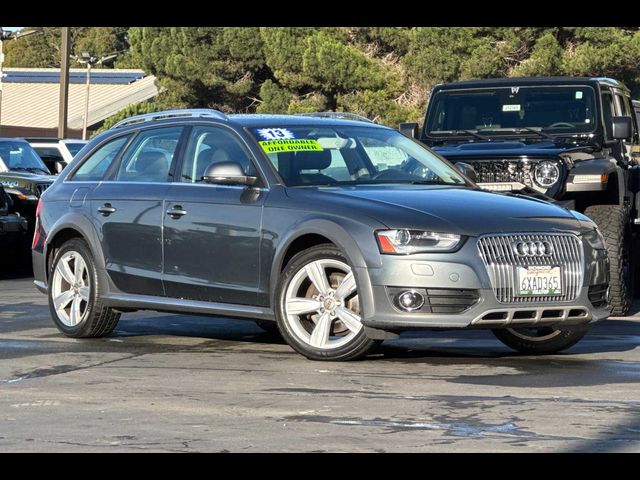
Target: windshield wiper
x: 31, y: 169
x: 467, y: 132
x: 537, y: 132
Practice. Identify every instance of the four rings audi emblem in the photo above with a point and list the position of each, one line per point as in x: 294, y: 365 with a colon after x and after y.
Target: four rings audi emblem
x: 532, y: 249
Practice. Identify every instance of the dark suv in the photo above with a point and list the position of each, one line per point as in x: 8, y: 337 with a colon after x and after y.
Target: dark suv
x: 343, y: 232
x: 567, y: 140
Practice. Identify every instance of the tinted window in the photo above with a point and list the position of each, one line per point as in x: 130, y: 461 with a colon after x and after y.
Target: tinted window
x: 608, y: 112
x: 209, y: 145
x: 502, y: 110
x: 94, y: 168
x: 74, y: 147
x: 49, y: 153
x: 150, y: 155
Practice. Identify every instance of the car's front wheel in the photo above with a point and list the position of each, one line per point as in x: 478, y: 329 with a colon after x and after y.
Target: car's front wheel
x: 74, y: 293
x: 318, y: 308
x: 538, y: 341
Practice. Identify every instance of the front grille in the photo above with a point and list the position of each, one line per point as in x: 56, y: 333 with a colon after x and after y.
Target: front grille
x: 500, y: 260
x: 439, y: 300
x: 499, y: 171
x: 41, y: 187
x: 598, y: 295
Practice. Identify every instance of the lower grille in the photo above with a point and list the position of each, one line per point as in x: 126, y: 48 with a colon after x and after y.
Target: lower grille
x: 598, y: 295
x: 439, y: 300
x: 500, y: 260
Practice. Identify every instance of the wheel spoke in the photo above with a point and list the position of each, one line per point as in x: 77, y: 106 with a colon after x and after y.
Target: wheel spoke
x: 350, y: 319
x: 318, y: 277
x: 65, y: 272
x: 300, y: 306
x: 320, y: 334
x: 75, y: 311
x: 62, y: 300
x: 79, y: 268
x: 347, y: 287
x: 84, y: 293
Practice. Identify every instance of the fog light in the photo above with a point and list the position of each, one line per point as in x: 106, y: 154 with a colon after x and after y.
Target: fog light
x: 410, y: 300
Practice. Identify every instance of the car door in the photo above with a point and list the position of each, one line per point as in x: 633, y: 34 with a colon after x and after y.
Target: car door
x: 127, y: 209
x: 212, y: 232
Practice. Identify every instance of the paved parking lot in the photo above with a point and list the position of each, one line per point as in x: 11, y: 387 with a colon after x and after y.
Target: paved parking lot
x: 187, y: 383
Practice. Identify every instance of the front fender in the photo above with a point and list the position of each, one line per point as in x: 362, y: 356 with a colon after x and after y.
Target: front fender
x: 587, y: 175
x: 355, y: 239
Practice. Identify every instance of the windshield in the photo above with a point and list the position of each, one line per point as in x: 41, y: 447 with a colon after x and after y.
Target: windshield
x: 553, y: 110
x: 346, y: 155
x: 20, y: 156
x: 74, y: 147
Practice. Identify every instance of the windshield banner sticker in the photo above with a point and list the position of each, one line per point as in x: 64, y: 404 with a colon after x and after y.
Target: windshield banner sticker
x: 275, y: 133
x: 299, y: 145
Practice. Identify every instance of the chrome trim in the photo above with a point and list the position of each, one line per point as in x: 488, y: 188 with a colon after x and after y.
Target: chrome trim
x: 498, y: 257
x: 537, y: 319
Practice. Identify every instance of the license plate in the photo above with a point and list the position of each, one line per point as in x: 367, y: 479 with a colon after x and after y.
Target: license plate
x: 539, y: 280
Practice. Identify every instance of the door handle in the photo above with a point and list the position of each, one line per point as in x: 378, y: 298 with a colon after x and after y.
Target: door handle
x: 176, y: 212
x: 106, y: 209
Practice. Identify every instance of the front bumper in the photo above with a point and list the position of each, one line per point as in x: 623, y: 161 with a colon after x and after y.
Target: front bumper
x: 464, y: 270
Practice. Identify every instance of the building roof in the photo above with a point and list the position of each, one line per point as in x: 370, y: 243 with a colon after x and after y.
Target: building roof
x: 30, y: 96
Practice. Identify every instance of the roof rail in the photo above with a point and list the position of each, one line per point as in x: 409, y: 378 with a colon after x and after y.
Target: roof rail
x: 187, y: 112
x: 338, y: 115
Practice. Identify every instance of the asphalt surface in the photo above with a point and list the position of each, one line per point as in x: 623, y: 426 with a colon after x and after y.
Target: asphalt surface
x: 179, y: 383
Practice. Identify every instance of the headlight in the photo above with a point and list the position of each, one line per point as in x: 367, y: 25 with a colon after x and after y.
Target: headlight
x: 546, y: 173
x: 595, y: 239
x: 404, y: 242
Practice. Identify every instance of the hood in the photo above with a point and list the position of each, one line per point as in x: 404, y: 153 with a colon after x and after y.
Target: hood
x: 500, y: 148
x: 31, y: 177
x: 461, y: 210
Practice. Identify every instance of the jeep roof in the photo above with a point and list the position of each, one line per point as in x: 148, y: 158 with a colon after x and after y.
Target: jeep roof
x: 507, y: 82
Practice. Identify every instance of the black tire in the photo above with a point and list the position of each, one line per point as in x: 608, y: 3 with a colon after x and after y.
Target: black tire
x: 100, y: 320
x: 268, y: 326
x: 613, y: 223
x: 516, y: 339
x: 358, y: 347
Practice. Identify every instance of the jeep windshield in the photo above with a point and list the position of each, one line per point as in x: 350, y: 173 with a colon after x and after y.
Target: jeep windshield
x: 20, y: 156
x: 314, y: 155
x: 537, y: 111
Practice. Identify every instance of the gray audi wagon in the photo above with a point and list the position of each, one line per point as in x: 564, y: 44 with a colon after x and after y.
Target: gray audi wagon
x: 334, y: 230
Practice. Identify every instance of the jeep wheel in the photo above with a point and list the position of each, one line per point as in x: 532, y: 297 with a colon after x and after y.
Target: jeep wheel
x: 74, y: 294
x: 613, y: 223
x: 540, y: 340
x: 318, y: 309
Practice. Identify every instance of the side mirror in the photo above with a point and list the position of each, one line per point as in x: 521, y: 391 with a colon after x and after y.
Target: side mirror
x: 408, y: 129
x: 227, y: 173
x: 467, y: 170
x: 59, y: 166
x: 622, y: 128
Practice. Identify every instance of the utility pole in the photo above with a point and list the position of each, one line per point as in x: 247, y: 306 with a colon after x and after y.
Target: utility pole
x: 6, y: 35
x: 90, y: 61
x: 64, y: 84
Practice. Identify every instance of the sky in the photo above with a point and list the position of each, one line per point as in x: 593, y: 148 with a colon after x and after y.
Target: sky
x: 11, y: 28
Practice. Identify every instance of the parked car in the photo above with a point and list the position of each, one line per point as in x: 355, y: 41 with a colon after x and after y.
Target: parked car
x: 341, y: 232
x: 24, y: 177
x: 567, y: 140
x: 56, y: 153
x: 13, y: 231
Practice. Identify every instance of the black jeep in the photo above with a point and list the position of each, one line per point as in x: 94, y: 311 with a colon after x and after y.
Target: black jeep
x: 13, y: 231
x: 24, y: 177
x: 567, y: 140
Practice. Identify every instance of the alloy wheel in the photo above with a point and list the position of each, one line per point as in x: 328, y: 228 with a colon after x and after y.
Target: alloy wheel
x: 70, y: 288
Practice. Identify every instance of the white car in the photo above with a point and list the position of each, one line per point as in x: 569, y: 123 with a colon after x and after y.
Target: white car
x: 56, y: 153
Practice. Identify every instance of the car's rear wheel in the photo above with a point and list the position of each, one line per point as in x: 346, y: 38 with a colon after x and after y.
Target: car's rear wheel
x: 318, y: 309
x: 74, y: 293
x: 538, y: 341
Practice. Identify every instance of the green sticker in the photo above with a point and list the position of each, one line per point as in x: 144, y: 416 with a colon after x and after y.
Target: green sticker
x: 295, y: 145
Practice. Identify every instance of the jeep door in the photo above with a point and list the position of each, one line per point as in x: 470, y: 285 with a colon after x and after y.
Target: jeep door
x: 212, y: 232
x: 127, y: 209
